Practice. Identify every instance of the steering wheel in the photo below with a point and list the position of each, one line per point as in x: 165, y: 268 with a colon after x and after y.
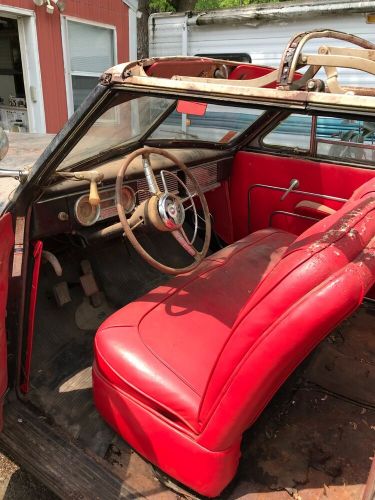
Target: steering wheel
x: 165, y: 210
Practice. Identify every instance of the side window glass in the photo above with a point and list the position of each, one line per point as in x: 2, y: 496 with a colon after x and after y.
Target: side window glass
x: 345, y: 138
x: 293, y: 133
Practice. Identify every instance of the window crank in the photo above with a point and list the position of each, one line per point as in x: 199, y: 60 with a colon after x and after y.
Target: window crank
x: 294, y: 184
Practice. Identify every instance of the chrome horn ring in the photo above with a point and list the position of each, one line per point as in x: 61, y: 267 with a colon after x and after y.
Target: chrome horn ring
x: 171, y: 211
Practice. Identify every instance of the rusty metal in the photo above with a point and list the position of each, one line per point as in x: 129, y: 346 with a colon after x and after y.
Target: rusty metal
x: 287, y: 11
x: 219, y: 90
x: 305, y: 93
x: 290, y: 59
x: 269, y: 97
x: 106, y: 78
x: 213, y: 65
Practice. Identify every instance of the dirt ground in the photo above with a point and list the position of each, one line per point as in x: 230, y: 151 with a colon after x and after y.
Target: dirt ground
x: 17, y: 484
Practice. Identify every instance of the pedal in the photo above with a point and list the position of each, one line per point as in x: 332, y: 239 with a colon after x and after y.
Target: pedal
x: 86, y: 267
x: 89, y: 285
x: 61, y: 293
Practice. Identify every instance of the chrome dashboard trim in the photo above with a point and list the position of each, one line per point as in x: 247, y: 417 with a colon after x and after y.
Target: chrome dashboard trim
x: 133, y: 181
x: 97, y: 208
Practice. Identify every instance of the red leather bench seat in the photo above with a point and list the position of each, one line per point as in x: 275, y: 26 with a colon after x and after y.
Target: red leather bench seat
x: 167, y: 364
x: 184, y: 370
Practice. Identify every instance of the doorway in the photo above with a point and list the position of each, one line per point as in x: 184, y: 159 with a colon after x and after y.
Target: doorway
x: 21, y: 95
x: 13, y: 110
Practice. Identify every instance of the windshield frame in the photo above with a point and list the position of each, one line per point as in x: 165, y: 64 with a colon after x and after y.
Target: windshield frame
x: 134, y: 93
x: 122, y: 148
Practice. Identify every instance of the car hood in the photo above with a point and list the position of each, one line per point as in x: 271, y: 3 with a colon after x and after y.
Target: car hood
x: 24, y: 150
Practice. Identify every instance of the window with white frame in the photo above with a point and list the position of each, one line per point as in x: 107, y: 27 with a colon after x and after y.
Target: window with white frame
x: 89, y: 49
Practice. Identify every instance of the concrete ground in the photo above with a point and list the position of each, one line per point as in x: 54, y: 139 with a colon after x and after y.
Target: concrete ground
x: 17, y: 484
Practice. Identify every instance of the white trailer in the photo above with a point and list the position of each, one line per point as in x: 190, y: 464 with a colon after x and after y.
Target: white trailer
x: 261, y: 31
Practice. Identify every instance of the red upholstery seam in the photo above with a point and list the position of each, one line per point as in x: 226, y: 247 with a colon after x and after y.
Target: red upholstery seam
x: 265, y: 335
x: 154, y: 412
x: 136, y: 389
x: 293, y: 367
x: 354, y: 220
x: 274, y: 270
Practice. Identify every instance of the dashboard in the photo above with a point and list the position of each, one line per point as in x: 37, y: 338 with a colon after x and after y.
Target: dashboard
x: 66, y: 209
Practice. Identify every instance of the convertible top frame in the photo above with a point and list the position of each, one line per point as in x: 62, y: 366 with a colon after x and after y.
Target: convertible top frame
x: 329, y: 58
x: 213, y: 76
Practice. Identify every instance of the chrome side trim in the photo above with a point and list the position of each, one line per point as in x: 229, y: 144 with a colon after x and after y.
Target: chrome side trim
x: 284, y: 189
x: 297, y: 191
x: 101, y: 189
x: 291, y: 214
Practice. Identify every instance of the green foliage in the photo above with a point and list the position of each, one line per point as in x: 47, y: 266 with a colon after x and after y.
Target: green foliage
x: 161, y: 6
x: 167, y: 6
x: 226, y: 4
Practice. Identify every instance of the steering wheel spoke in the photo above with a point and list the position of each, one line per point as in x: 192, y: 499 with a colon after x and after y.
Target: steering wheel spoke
x: 149, y: 174
x: 163, y: 180
x: 183, y: 240
x: 189, y: 197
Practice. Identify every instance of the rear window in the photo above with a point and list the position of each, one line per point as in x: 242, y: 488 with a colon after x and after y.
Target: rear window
x: 346, y: 139
x: 292, y: 133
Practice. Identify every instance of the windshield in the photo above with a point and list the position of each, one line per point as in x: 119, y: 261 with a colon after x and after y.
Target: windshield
x: 120, y: 125
x: 219, y: 123
x: 129, y: 121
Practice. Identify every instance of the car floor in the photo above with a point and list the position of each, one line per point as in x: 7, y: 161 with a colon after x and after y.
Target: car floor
x: 314, y: 440
x: 63, y: 338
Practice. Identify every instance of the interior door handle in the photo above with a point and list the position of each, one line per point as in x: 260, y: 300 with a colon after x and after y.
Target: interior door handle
x: 313, y: 209
x: 294, y: 184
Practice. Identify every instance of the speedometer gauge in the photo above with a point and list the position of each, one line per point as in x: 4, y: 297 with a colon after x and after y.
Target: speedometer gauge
x: 128, y: 199
x: 85, y: 213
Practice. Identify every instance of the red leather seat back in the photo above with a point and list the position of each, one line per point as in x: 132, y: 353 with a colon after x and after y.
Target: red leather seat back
x: 320, y: 280
x: 366, y: 189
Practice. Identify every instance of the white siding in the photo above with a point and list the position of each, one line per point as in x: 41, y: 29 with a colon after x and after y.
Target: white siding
x: 264, y: 43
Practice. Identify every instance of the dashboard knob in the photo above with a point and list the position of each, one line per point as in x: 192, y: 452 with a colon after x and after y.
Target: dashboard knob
x: 63, y: 216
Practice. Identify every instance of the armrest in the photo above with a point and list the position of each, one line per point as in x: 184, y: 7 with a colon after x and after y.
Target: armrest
x: 313, y: 209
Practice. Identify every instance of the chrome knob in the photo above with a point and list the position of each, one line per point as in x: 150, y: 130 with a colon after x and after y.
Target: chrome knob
x: 294, y: 184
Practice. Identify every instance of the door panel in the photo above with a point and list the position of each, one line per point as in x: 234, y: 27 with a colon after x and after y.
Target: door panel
x: 219, y: 205
x: 259, y: 180
x: 6, y: 245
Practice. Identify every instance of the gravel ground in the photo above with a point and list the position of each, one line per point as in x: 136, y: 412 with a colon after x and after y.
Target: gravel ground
x: 17, y: 484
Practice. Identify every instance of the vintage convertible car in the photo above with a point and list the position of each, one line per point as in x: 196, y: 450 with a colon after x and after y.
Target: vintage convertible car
x: 257, y: 188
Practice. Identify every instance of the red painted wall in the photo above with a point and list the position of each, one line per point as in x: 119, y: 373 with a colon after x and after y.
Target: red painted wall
x: 113, y: 12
